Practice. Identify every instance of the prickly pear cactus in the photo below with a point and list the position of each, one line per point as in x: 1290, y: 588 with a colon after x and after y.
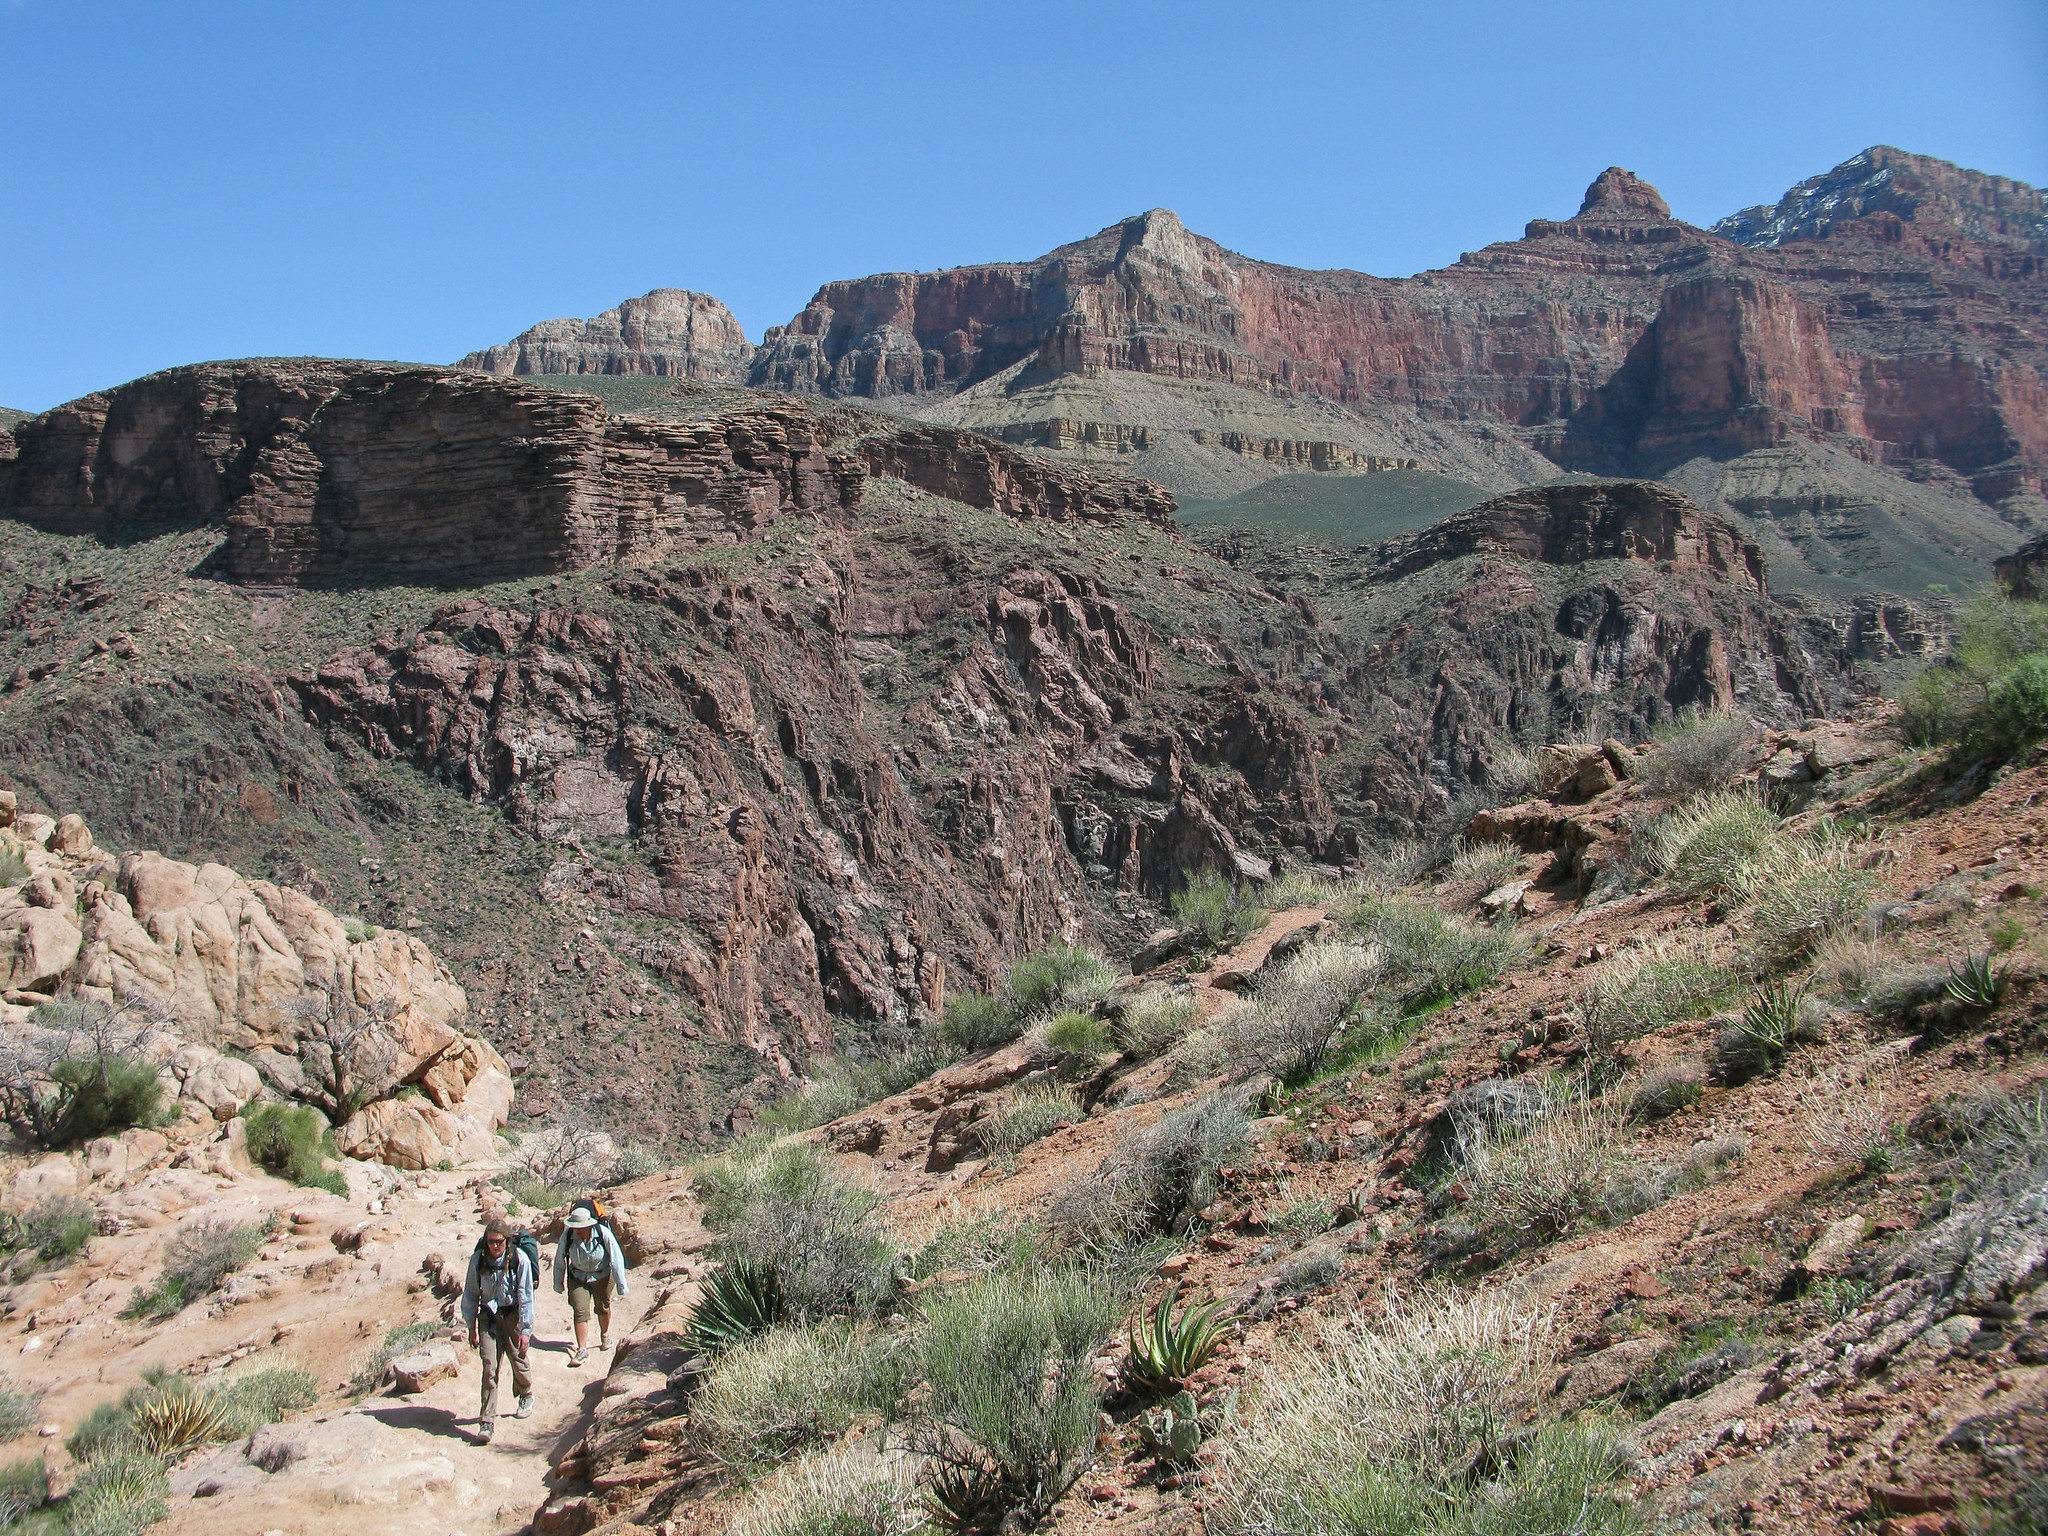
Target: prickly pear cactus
x: 1173, y: 1431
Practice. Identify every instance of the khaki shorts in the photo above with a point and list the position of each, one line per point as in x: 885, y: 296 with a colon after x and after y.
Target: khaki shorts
x: 588, y: 1297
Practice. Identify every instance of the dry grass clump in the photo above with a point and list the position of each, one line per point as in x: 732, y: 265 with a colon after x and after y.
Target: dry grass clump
x: 859, y: 1491
x: 1371, y: 1428
x: 1156, y: 1181
x: 1296, y: 1015
x: 1697, y: 752
x: 1851, y: 1127
x: 1643, y: 993
x: 1030, y: 1114
x: 776, y: 1207
x: 852, y: 1083
x: 1718, y: 844
x: 1152, y: 1022
x: 796, y: 1387
x: 1426, y: 957
x: 1667, y: 1088
x: 1812, y: 894
x: 1486, y: 864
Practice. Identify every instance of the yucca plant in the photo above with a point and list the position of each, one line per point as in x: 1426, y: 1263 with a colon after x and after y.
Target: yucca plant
x: 1771, y: 1021
x: 166, y: 1423
x: 739, y: 1302
x: 1167, y: 1346
x: 964, y: 1500
x: 1975, y: 983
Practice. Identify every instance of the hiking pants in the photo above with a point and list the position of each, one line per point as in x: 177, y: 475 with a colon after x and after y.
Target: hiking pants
x: 591, y: 1296
x: 498, y: 1337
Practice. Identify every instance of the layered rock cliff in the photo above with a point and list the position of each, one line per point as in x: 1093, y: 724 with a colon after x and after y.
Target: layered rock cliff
x: 324, y: 471
x: 670, y: 332
x: 1616, y: 339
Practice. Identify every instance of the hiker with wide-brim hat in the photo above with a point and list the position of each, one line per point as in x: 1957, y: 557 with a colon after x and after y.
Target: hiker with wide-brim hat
x: 497, y: 1304
x: 591, y: 1267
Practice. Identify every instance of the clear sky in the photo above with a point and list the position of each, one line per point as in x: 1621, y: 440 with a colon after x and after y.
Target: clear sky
x: 412, y: 180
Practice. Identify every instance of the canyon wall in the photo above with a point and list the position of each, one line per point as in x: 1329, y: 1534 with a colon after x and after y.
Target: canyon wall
x: 669, y: 333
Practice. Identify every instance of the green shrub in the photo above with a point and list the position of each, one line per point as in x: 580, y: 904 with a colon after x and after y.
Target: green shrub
x: 119, y: 1493
x: 292, y: 1141
x: 778, y: 1207
x: 263, y: 1396
x: 1696, y: 752
x: 1030, y: 1115
x: 972, y: 1023
x: 52, y: 1230
x: 984, y: 1244
x: 851, y: 1083
x: 106, y: 1092
x: 1303, y: 1219
x: 197, y: 1259
x: 529, y: 1190
x: 1778, y: 1017
x: 1011, y: 1392
x: 13, y: 867
x: 1223, y: 914
x: 102, y: 1430
x: 1718, y: 844
x: 24, y: 1489
x: 1989, y: 694
x: 1152, y: 1022
x: 1300, y: 1012
x: 18, y: 1408
x: 1077, y: 1034
x: 375, y: 1364
x: 1534, y: 1184
x: 1428, y: 958
x: 1059, y: 977
x: 795, y: 1388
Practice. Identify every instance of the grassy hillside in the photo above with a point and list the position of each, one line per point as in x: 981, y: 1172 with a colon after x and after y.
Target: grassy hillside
x: 1339, y: 509
x: 9, y: 417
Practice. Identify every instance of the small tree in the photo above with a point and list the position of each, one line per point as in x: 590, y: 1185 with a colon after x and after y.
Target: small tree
x: 349, y: 1052
x: 78, y: 1071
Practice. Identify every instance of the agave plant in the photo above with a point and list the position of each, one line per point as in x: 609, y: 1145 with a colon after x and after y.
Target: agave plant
x: 1168, y: 1346
x: 964, y: 1499
x: 1771, y: 1022
x: 740, y: 1301
x: 1975, y: 984
x: 169, y: 1422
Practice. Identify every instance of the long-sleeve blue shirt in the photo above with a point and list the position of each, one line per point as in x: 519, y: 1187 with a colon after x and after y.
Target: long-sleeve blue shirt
x: 615, y: 1261
x: 507, y: 1283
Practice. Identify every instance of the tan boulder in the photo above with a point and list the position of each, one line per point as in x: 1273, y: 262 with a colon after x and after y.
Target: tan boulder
x: 221, y: 1084
x: 407, y: 1133
x: 47, y: 1179
x: 7, y: 804
x: 37, y: 946
x: 33, y: 828
x: 71, y: 837
x: 418, y: 1369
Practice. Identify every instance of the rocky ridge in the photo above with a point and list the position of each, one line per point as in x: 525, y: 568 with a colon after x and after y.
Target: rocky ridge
x: 669, y: 333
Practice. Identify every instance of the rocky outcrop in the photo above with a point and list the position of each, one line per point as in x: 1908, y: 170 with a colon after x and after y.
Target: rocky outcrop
x: 1571, y: 522
x: 2021, y: 573
x: 977, y: 470
x: 325, y: 471
x: 316, y: 1012
x: 669, y: 333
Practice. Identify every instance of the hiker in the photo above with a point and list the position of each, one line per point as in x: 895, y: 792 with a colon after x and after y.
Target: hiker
x: 588, y: 1262
x: 497, y: 1303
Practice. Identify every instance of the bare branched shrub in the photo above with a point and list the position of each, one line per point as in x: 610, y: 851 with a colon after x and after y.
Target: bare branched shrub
x: 348, y: 1052
x: 1535, y: 1184
x: 1668, y: 1088
x: 570, y: 1155
x: 1852, y: 1127
x: 1297, y: 1014
x: 1851, y: 963
x: 1697, y: 752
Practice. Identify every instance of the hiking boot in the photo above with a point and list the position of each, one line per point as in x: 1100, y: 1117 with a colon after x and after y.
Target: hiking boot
x: 483, y: 1432
x: 576, y: 1355
x: 604, y: 1342
x: 525, y: 1408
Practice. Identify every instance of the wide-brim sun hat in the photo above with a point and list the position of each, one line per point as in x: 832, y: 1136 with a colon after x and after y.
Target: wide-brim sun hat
x: 582, y: 1219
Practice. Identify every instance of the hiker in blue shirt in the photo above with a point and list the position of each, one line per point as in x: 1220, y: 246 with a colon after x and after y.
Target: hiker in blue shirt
x: 497, y: 1303
x: 593, y: 1270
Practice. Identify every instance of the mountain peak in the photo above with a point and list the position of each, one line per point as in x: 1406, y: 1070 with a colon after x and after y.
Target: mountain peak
x: 1622, y: 194
x: 1915, y: 189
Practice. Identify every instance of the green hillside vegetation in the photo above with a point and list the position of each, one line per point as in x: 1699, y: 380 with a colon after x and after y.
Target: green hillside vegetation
x: 9, y: 417
x: 1339, y: 509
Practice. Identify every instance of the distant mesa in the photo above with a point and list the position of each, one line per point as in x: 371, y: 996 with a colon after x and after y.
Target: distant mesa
x: 669, y: 333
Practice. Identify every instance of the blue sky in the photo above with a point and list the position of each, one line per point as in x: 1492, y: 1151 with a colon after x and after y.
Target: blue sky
x: 413, y: 180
